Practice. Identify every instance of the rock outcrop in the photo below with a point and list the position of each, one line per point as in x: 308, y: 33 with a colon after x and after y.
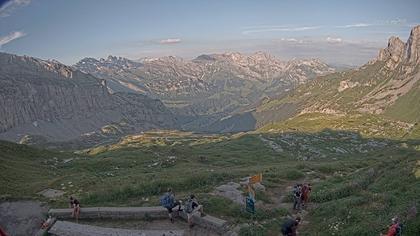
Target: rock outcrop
x: 49, y: 99
x: 412, y: 50
x: 397, y: 51
x: 388, y: 85
x: 394, y: 53
x: 401, y: 73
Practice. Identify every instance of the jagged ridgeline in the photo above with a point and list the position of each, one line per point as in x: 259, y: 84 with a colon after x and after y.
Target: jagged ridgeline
x: 209, y: 89
x: 53, y: 102
x: 387, y: 89
x: 46, y: 101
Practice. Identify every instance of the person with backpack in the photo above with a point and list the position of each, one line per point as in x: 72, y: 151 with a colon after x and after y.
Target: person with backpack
x: 75, y: 204
x: 2, y: 232
x: 168, y: 201
x: 306, y: 190
x: 289, y: 227
x: 395, y: 229
x: 297, y: 197
x: 192, y: 207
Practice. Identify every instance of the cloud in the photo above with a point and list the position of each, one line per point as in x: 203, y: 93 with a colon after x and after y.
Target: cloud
x: 358, y: 25
x: 170, y: 41
x: 334, y: 40
x: 280, y: 28
x: 289, y: 39
x: 393, y: 22
x: 9, y: 6
x: 292, y: 40
x: 396, y: 21
x: 10, y: 37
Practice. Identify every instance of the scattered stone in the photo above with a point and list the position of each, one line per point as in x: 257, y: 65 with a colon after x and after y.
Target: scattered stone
x: 259, y: 187
x: 51, y: 193
x: 231, y: 191
x: 68, y: 160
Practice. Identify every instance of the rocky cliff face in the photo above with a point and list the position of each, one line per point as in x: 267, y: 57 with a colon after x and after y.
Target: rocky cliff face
x: 412, y: 48
x: 400, y: 74
x: 389, y: 85
x: 400, y: 52
x: 50, y: 99
x: 394, y: 53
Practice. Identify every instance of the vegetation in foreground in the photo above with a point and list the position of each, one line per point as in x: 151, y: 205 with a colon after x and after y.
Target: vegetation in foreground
x: 359, y: 183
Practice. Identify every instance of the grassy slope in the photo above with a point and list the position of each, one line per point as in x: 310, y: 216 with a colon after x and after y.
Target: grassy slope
x: 324, y: 90
x: 26, y: 170
x: 364, y: 202
x: 407, y: 107
x: 125, y: 174
x: 366, y: 124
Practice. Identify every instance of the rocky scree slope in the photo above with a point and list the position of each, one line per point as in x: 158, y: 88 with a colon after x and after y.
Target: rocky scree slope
x: 57, y: 102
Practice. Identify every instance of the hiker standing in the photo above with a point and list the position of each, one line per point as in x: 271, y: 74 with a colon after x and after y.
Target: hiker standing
x: 168, y: 201
x: 191, y: 208
x: 75, y: 204
x: 395, y: 229
x: 306, y: 190
x: 289, y: 227
x: 297, y: 197
x: 2, y: 233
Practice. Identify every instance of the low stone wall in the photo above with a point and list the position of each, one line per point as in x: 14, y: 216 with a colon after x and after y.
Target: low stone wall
x: 142, y: 213
x: 65, y: 228
x: 208, y: 222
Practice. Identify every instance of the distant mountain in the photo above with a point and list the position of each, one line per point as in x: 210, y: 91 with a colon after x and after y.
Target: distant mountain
x: 54, y: 102
x: 388, y: 86
x: 209, y: 88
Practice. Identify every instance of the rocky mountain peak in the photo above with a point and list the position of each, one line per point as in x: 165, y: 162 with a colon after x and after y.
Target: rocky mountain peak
x: 90, y: 65
x: 412, y: 52
x: 262, y: 56
x: 234, y: 56
x: 394, y: 51
x: 397, y: 51
x: 30, y: 66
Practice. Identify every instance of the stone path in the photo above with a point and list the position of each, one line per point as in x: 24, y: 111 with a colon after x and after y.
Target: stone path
x: 65, y: 228
x: 207, y: 223
x: 21, y: 218
x: 163, y: 224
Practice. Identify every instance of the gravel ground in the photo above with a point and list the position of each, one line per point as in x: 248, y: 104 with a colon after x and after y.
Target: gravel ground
x: 21, y: 218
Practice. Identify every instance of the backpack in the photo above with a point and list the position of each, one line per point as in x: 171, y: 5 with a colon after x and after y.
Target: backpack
x: 399, y: 230
x: 166, y: 200
x: 188, y: 207
x: 287, y: 226
x: 296, y: 192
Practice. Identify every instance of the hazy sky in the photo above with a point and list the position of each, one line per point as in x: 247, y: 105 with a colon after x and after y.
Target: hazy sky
x: 338, y: 32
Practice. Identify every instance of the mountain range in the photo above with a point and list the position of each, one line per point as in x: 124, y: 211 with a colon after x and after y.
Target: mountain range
x: 209, y: 88
x: 43, y: 101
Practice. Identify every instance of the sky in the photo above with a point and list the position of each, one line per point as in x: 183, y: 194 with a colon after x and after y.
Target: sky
x: 337, y: 32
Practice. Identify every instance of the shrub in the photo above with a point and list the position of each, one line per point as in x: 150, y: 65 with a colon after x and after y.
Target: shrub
x: 294, y: 174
